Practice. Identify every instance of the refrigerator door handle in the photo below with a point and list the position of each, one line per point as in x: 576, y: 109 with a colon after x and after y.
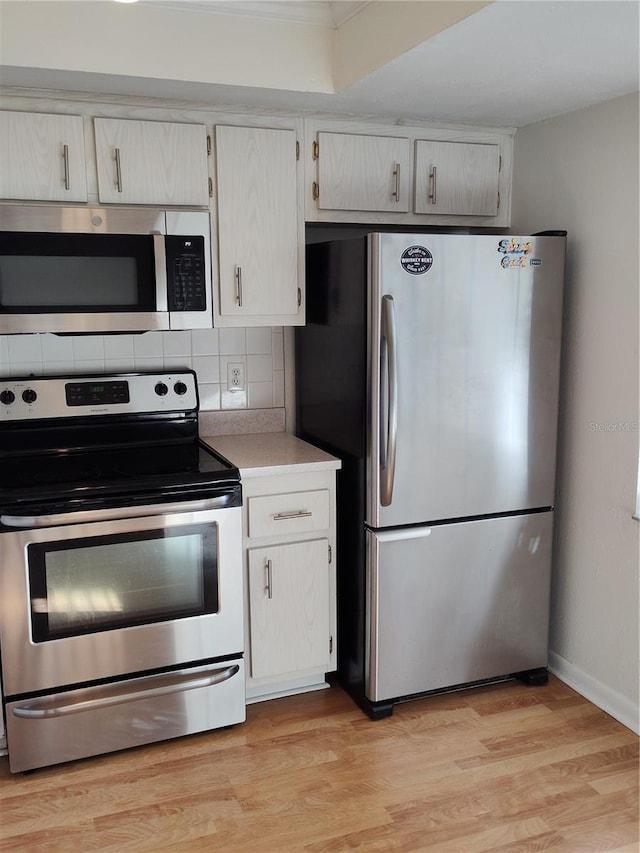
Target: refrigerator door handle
x: 388, y: 355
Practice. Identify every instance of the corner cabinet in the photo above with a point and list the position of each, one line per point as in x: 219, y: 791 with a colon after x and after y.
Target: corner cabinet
x: 42, y: 157
x: 151, y: 162
x: 260, y: 227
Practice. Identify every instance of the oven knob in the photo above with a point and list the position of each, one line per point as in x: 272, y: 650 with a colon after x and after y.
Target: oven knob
x: 161, y: 389
x: 180, y: 388
x: 29, y: 396
x: 7, y: 397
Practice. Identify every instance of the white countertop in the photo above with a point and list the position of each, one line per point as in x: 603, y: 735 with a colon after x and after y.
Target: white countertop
x: 267, y: 453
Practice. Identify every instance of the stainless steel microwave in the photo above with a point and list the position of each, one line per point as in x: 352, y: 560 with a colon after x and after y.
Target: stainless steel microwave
x: 83, y: 269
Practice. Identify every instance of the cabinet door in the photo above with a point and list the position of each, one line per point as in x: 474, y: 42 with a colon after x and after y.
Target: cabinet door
x: 257, y: 221
x: 42, y: 157
x: 289, y: 607
x: 363, y: 172
x: 152, y: 162
x: 457, y: 178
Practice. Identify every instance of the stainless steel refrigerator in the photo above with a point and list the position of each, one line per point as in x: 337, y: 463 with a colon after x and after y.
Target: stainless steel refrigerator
x: 429, y: 364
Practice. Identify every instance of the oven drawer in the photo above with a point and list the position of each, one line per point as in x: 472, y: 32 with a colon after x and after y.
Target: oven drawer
x: 293, y: 512
x: 96, y: 720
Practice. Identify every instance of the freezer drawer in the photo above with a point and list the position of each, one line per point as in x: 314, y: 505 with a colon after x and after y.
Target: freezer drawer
x: 456, y: 603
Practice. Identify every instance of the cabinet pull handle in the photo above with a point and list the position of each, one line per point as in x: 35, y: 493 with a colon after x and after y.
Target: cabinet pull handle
x: 299, y: 513
x: 396, y: 176
x: 269, y: 586
x: 65, y: 160
x: 118, y: 171
x: 239, y: 286
x: 432, y: 179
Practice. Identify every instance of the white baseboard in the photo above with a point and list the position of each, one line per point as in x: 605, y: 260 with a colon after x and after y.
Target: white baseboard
x: 618, y: 706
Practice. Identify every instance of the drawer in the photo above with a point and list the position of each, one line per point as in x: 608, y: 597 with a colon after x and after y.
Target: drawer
x: 294, y: 512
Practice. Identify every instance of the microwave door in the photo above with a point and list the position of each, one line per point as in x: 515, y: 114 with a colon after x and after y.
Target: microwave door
x: 82, y: 282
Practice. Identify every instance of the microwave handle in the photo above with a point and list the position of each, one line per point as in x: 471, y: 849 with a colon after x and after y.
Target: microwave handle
x: 159, y: 254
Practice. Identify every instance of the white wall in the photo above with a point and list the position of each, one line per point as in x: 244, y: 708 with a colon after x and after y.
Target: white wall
x: 579, y: 172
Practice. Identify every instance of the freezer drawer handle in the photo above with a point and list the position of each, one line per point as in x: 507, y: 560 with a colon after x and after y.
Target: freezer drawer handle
x: 118, y: 695
x: 388, y: 349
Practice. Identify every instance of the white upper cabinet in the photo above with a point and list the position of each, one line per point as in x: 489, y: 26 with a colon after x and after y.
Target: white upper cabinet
x: 42, y: 157
x: 367, y: 172
x: 260, y: 227
x: 362, y: 172
x: 457, y: 178
x: 151, y: 162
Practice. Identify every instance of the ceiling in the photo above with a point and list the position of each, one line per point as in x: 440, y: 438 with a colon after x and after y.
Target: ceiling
x: 512, y: 63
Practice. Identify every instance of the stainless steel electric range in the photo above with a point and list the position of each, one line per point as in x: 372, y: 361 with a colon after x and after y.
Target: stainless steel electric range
x: 121, y: 606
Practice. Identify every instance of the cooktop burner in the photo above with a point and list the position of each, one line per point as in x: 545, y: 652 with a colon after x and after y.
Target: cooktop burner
x: 81, y: 440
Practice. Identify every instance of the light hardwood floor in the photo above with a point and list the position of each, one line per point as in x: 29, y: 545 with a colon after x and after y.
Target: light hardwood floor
x: 499, y: 768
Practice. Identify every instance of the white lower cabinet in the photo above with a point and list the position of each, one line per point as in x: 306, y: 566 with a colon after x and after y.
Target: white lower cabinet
x: 290, y: 582
x: 289, y: 607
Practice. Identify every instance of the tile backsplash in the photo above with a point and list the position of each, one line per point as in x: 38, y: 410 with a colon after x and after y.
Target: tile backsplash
x: 207, y: 351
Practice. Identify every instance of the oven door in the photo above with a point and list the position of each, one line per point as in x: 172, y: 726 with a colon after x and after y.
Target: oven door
x: 107, y: 597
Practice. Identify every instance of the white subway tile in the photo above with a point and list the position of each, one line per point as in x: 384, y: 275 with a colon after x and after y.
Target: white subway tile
x: 205, y: 342
x: 209, y: 396
x: 277, y: 348
x: 119, y: 365
x: 63, y: 368
x: 259, y: 368
x: 148, y: 345
x: 259, y: 341
x: 233, y: 341
x: 56, y: 348
x: 23, y: 348
x: 118, y: 346
x: 176, y: 343
x: 89, y: 365
x: 88, y: 348
x: 207, y: 368
x: 260, y: 395
x: 143, y: 363
x: 176, y: 362
x: 278, y: 388
x: 26, y: 368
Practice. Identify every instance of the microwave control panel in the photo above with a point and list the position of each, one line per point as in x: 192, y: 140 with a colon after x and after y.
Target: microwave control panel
x: 185, y: 273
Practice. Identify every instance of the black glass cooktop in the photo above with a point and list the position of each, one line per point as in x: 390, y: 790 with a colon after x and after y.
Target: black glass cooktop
x: 83, y: 478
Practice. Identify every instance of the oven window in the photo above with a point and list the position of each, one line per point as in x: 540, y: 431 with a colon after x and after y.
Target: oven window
x: 54, y: 273
x: 101, y: 583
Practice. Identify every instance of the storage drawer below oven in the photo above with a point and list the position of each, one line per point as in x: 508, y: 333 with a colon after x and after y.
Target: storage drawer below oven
x: 105, y: 718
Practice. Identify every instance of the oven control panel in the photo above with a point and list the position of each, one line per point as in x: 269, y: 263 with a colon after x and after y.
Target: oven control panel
x: 32, y: 398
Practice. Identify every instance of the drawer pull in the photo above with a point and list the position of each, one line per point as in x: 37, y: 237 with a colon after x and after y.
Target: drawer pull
x: 301, y: 513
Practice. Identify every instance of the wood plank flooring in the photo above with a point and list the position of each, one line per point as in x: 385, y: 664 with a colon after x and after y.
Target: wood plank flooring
x: 503, y: 768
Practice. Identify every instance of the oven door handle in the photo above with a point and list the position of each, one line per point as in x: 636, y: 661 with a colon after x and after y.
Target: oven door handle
x: 87, y: 515
x: 93, y: 698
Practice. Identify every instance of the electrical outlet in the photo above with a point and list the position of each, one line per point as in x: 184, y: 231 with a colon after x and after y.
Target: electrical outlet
x: 235, y: 376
